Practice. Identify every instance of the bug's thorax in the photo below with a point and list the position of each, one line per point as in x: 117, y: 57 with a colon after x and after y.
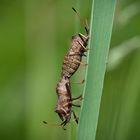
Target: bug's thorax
x: 76, y: 44
x: 61, y: 88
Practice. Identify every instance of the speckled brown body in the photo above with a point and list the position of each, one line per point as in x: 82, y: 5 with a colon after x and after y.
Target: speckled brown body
x: 64, y: 104
x: 73, y: 58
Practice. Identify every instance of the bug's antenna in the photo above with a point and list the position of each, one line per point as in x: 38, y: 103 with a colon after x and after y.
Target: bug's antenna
x: 53, y: 124
x: 86, y: 26
x: 79, y: 16
x: 81, y: 20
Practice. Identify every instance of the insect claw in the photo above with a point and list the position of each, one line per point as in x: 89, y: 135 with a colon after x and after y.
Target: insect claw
x: 85, y: 65
x: 76, y: 98
x: 81, y: 98
x: 78, y: 82
x: 85, y: 55
x: 64, y: 128
x: 83, y: 81
x: 76, y: 105
x: 75, y: 117
x: 88, y: 49
x: 63, y: 125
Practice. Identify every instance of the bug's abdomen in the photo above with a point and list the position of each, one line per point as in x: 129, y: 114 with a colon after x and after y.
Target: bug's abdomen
x: 70, y: 65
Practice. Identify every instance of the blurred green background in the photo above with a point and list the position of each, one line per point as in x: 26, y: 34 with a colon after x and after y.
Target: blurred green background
x: 34, y: 37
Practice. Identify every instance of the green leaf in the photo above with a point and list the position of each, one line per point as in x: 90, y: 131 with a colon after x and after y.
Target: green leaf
x: 100, y: 34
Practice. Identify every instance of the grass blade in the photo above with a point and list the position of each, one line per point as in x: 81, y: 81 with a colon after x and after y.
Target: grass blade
x: 100, y: 35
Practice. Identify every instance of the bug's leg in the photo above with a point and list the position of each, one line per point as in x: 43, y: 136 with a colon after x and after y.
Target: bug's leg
x: 76, y: 105
x: 86, y: 49
x: 74, y: 54
x: 78, y: 54
x: 63, y: 125
x: 83, y: 36
x: 86, y: 26
x: 86, y: 30
x: 64, y: 128
x: 61, y: 117
x: 76, y: 98
x: 85, y: 55
x: 80, y: 62
x: 78, y: 82
x: 75, y: 117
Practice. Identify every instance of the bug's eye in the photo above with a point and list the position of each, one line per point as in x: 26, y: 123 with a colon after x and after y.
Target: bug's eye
x: 73, y: 37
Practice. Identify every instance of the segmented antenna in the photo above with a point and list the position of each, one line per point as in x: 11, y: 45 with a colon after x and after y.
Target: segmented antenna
x: 53, y: 124
x: 81, y: 20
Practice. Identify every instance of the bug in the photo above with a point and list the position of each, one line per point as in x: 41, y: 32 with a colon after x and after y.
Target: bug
x: 64, y: 105
x: 73, y: 58
x: 65, y: 102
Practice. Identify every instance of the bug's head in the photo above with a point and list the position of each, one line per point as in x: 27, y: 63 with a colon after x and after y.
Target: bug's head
x: 74, y: 37
x: 60, y: 112
x: 63, y: 115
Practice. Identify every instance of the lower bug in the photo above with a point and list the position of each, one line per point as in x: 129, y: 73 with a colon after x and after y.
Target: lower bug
x: 65, y: 102
x: 64, y: 105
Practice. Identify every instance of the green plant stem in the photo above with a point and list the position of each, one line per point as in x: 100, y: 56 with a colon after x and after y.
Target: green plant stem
x: 100, y: 35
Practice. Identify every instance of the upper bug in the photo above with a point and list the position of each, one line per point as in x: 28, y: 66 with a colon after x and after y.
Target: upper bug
x: 73, y: 58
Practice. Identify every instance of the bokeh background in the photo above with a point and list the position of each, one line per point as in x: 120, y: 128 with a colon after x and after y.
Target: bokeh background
x: 34, y: 37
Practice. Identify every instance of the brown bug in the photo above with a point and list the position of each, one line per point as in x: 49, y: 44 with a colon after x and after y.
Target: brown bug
x: 64, y: 105
x: 73, y: 58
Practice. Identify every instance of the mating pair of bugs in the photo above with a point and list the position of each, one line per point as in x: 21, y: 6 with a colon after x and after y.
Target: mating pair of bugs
x: 70, y: 65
